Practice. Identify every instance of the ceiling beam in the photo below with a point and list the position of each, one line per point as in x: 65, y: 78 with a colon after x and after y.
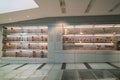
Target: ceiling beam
x: 89, y: 6
x: 62, y: 6
x: 101, y: 19
x: 114, y: 7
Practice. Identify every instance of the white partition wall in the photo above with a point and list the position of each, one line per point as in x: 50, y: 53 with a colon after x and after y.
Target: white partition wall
x: 55, y: 41
x: 51, y: 45
x: 107, y: 52
x: 87, y: 43
x: 25, y: 44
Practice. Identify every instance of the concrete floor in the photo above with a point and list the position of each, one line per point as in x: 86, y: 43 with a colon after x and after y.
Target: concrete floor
x: 52, y: 71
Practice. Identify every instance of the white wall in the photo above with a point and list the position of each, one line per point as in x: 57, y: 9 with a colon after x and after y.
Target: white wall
x: 57, y: 55
x: 54, y: 41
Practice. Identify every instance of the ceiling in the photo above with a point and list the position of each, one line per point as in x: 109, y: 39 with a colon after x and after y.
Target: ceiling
x: 61, y: 8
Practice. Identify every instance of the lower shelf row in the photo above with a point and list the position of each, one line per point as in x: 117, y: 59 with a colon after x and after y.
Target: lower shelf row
x: 41, y: 54
x: 88, y: 47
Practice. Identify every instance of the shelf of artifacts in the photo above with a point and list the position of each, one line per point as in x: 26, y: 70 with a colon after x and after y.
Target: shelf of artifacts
x: 88, y: 42
x: 27, y: 29
x: 25, y: 42
x: 90, y: 29
x: 117, y: 35
x: 25, y: 38
x: 25, y: 53
x: 88, y: 37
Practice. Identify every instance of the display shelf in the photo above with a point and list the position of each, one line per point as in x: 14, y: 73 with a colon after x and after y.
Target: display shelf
x: 40, y: 42
x: 23, y: 49
x: 118, y: 45
x: 22, y: 41
x: 25, y: 37
x: 88, y: 46
x: 26, y: 53
x: 104, y: 29
x: 89, y: 37
x: 23, y: 34
x: 29, y: 29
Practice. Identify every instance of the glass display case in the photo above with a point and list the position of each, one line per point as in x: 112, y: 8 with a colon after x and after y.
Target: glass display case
x: 25, y: 41
x: 89, y: 37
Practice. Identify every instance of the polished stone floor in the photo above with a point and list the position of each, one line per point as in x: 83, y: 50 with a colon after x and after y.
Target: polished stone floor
x: 65, y: 71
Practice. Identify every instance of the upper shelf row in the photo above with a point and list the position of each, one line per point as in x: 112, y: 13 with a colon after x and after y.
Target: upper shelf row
x: 67, y: 31
x: 33, y: 29
x: 77, y: 29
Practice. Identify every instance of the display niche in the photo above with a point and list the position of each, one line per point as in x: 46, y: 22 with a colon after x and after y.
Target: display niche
x: 88, y: 37
x: 25, y: 41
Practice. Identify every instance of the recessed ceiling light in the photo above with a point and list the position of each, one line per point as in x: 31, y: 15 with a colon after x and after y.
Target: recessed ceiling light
x: 27, y: 16
x: 10, y: 19
x: 16, y: 5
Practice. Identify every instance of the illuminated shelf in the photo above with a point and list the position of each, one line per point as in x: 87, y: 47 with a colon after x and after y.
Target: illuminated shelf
x: 89, y: 37
x: 88, y: 44
x: 37, y: 42
x: 25, y: 41
x: 24, y: 34
x: 25, y: 49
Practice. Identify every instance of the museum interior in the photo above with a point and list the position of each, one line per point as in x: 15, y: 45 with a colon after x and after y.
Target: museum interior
x: 59, y: 39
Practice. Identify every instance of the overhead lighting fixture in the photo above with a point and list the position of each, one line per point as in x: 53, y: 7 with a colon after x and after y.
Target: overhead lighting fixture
x: 62, y: 6
x: 114, y: 7
x: 16, y: 5
x: 89, y: 6
x: 27, y: 16
x: 10, y: 19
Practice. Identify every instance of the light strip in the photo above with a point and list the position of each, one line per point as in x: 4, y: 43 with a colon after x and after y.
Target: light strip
x: 117, y: 25
x: 103, y: 44
x: 16, y: 5
x: 103, y: 35
x: 62, y: 6
x: 83, y: 43
x: 84, y: 26
x: 69, y: 27
x: 103, y: 26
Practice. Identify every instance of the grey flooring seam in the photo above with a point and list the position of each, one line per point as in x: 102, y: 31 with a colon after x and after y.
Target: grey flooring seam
x: 41, y: 66
x: 63, y: 66
x: 87, y: 65
x: 116, y: 73
x: 4, y: 65
x: 113, y: 65
x: 20, y: 66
